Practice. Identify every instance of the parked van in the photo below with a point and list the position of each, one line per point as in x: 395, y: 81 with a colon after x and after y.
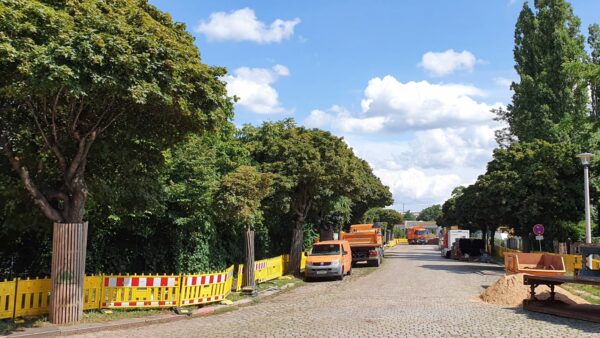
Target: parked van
x: 329, y: 259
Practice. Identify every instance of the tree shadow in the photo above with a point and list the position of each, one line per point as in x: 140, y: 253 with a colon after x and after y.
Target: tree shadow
x: 477, y: 268
x: 585, y: 326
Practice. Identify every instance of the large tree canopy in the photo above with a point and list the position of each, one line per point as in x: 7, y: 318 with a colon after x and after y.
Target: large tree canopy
x: 81, y: 80
x: 548, y: 102
x: 317, y: 179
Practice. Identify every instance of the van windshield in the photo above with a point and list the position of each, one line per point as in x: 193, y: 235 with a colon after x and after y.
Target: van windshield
x: 325, y: 249
x: 421, y: 232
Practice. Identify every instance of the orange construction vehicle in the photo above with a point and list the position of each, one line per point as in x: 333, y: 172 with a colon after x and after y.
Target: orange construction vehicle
x: 417, y: 235
x: 366, y: 243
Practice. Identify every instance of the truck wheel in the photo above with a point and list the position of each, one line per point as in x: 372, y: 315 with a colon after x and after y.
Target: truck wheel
x: 350, y: 271
x: 376, y: 263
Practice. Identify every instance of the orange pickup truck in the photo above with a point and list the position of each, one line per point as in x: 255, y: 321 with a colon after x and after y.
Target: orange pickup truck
x: 366, y: 243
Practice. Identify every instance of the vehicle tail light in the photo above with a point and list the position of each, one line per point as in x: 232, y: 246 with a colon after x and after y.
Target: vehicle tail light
x: 373, y: 253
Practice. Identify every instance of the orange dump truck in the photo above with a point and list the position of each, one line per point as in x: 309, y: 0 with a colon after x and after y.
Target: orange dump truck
x: 366, y: 243
x: 417, y: 235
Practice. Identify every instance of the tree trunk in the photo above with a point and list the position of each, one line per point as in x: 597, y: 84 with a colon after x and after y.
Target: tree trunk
x: 68, y: 272
x: 326, y: 234
x: 248, y: 276
x: 296, y: 248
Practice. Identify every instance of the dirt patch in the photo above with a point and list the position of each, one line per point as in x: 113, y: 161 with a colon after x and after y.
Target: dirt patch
x: 510, y: 291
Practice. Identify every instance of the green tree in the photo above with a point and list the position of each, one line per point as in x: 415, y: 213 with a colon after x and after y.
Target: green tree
x: 239, y: 195
x: 76, y: 78
x: 390, y: 216
x: 594, y: 69
x: 448, y: 217
x: 313, y: 171
x: 409, y: 216
x: 548, y: 102
x: 430, y: 213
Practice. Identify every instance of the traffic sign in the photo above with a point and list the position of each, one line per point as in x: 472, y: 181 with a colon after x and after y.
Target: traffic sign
x: 538, y: 229
x: 539, y: 238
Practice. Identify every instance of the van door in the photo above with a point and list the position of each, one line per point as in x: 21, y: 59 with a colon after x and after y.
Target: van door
x: 348, y: 257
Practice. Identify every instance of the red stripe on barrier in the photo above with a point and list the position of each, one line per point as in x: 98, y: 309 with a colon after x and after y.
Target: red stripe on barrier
x: 194, y: 280
x: 120, y: 281
x: 203, y: 280
x: 162, y: 302
x: 150, y: 281
x: 135, y: 281
x: 164, y: 281
x: 106, y: 282
x: 117, y: 304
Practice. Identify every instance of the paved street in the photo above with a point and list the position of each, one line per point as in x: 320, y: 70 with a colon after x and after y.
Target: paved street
x: 415, y: 293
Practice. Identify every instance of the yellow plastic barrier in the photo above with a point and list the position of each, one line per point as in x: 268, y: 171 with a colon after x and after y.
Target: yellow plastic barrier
x: 239, y: 279
x: 267, y: 269
x: 205, y: 288
x: 270, y: 268
x: 33, y: 297
x: 7, y: 298
x: 143, y: 291
x: 92, y: 292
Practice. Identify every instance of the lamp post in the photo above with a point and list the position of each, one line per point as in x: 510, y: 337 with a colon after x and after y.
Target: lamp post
x: 585, y: 160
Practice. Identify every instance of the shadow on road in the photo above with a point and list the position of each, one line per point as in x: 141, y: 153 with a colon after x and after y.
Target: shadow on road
x: 582, y: 325
x: 467, y: 268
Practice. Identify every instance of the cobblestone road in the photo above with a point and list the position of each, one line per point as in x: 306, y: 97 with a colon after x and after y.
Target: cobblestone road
x: 415, y: 293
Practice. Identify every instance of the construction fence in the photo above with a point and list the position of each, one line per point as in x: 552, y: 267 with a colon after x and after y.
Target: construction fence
x: 31, y: 297
x: 392, y: 243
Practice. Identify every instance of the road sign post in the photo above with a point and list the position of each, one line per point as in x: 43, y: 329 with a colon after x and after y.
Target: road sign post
x: 538, y: 230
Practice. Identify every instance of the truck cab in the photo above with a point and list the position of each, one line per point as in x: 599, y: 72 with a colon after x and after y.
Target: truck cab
x: 417, y: 235
x: 329, y: 259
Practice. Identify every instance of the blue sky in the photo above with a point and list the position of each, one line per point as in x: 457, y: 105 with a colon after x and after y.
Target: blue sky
x: 408, y: 84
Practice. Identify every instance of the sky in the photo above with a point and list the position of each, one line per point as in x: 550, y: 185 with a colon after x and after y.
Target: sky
x: 409, y: 84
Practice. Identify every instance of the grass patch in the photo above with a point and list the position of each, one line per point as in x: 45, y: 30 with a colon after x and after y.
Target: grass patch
x: 7, y: 326
x: 590, y: 293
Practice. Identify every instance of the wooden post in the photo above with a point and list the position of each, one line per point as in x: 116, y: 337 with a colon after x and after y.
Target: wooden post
x: 249, y: 280
x: 68, y: 272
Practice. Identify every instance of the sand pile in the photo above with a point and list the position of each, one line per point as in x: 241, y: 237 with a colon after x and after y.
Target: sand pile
x: 510, y: 291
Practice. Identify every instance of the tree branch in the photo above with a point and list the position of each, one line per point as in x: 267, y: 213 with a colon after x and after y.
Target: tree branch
x: 85, y: 144
x: 38, y: 198
x: 52, y: 146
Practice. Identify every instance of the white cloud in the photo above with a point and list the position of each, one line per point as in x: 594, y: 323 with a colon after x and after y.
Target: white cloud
x: 342, y: 120
x: 253, y: 88
x: 242, y: 25
x: 415, y: 186
x: 424, y: 169
x: 421, y: 139
x: 392, y: 106
x: 445, y: 63
x: 503, y: 82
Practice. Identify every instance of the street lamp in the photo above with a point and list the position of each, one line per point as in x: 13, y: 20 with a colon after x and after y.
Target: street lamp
x: 586, y: 158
